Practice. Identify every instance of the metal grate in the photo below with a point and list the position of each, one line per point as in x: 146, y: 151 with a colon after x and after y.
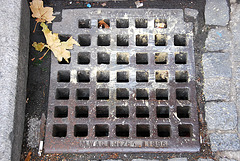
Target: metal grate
x: 128, y: 88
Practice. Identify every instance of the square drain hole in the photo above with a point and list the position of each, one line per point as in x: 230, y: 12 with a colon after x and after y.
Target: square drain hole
x: 122, y: 40
x: 141, y: 23
x: 120, y: 88
x: 83, y: 58
x: 142, y: 40
x: 160, y: 40
x: 62, y: 93
x: 162, y: 94
x: 142, y: 76
x: 122, y: 94
x: 103, y: 76
x: 181, y: 76
x: 122, y: 111
x: 164, y: 130
x: 102, y: 111
x: 142, y: 58
x: 185, y: 130
x: 84, y: 23
x: 123, y: 76
x: 103, y: 40
x: 142, y: 112
x: 61, y: 111
x: 180, y: 40
x: 80, y: 130
x: 183, y: 112
x: 102, y: 94
x: 182, y: 94
x: 103, y: 58
x: 122, y: 130
x: 161, y: 58
x: 101, y: 130
x: 81, y: 111
x: 83, y: 76
x: 161, y: 76
x: 160, y: 23
x: 142, y: 94
x: 143, y: 130
x: 103, y: 23
x: 63, y: 76
x: 83, y: 94
x: 181, y: 58
x: 122, y: 23
x: 84, y: 39
x: 122, y: 58
x: 162, y: 111
x: 59, y: 130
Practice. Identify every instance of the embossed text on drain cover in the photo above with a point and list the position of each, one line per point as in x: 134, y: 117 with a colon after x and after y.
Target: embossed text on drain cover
x: 129, y: 87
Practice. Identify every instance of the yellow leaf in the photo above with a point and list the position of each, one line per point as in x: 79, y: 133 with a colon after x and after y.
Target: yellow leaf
x: 38, y: 46
x: 58, y: 48
x: 41, y: 13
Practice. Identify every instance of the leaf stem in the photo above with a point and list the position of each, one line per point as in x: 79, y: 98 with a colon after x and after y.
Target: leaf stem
x: 44, y: 54
x: 35, y: 27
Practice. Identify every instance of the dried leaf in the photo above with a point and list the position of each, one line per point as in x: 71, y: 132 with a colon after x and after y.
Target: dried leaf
x: 38, y: 46
x: 58, y: 48
x: 101, y: 23
x: 41, y: 13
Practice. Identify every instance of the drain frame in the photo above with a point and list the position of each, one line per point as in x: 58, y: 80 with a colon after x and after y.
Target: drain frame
x: 134, y: 142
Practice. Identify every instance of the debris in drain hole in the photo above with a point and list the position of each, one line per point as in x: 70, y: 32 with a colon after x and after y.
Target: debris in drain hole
x: 139, y: 4
x: 160, y: 25
x: 104, y: 4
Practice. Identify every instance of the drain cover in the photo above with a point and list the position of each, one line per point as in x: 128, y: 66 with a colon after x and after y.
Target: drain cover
x: 129, y: 87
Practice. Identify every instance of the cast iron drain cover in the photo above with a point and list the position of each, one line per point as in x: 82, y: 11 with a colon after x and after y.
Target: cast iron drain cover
x: 129, y: 87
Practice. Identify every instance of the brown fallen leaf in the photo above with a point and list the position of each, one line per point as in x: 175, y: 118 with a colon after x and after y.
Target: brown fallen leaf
x: 28, y: 156
x: 54, y: 44
x: 42, y: 14
x: 101, y: 23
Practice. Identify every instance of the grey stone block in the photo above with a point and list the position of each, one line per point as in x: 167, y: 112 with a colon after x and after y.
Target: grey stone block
x: 218, y: 39
x: 222, y: 142
x: 217, y: 65
x: 235, y: 28
x: 226, y: 159
x: 178, y: 159
x: 205, y: 159
x: 221, y: 116
x: 217, y: 89
x: 191, y: 12
x: 14, y: 45
x: 33, y: 132
x: 216, y: 12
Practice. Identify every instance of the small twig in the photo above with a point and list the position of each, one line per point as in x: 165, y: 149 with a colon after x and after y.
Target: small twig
x: 44, y: 54
x: 35, y: 27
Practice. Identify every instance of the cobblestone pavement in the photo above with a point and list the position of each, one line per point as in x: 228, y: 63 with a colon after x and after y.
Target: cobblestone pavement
x: 221, y: 77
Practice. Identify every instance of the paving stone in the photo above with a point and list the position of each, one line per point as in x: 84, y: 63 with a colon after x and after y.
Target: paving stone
x: 235, y: 28
x: 217, y: 89
x: 178, y: 159
x: 216, y: 12
x: 205, y: 159
x: 217, y: 65
x: 191, y: 12
x: 33, y: 132
x: 226, y: 159
x: 221, y: 142
x: 221, y: 115
x: 218, y: 39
